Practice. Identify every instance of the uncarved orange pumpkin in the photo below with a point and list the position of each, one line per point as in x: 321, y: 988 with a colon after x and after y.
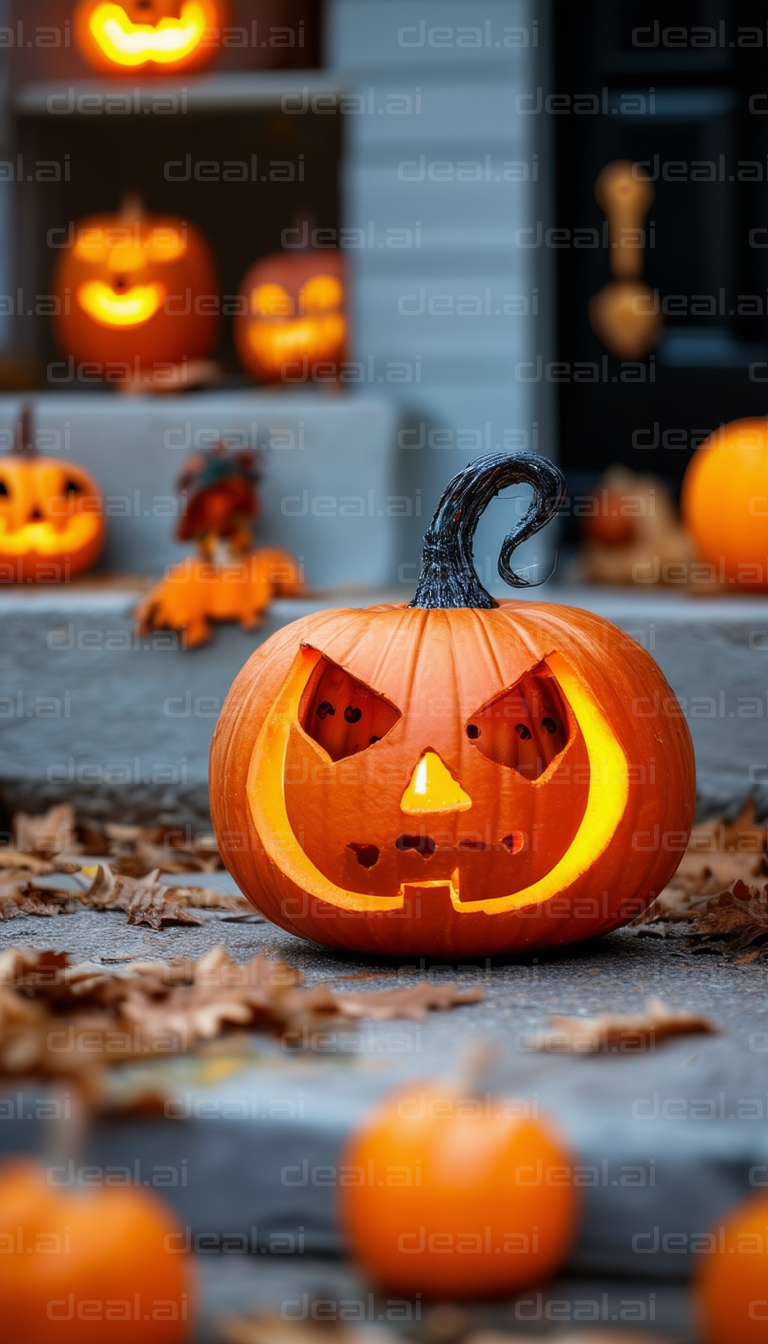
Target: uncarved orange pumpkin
x: 456, y: 1196
x: 149, y: 36
x: 136, y: 289
x: 731, y: 1289
x: 51, y: 514
x: 458, y: 775
x: 93, y: 1264
x: 725, y: 502
x: 294, y: 328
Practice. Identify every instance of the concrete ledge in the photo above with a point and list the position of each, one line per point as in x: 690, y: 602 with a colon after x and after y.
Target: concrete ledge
x: 92, y: 711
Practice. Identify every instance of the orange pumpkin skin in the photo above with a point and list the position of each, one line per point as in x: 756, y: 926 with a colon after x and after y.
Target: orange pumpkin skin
x: 141, y: 19
x: 438, y: 668
x: 136, y: 288
x: 725, y: 502
x: 730, y: 1293
x: 294, y: 328
x: 88, y: 1264
x: 457, y: 1199
x: 51, y: 519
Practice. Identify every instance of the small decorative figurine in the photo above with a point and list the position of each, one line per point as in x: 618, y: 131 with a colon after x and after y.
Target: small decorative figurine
x: 624, y: 315
x: 137, y: 296
x: 51, y: 514
x: 725, y: 503
x: 294, y: 329
x: 148, y: 36
x: 458, y: 776
x: 227, y: 580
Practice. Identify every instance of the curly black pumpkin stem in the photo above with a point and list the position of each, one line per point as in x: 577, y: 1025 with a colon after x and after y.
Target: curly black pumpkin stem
x: 24, y: 437
x: 448, y: 577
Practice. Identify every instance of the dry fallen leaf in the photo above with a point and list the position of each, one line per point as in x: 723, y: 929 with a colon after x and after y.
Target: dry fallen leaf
x: 621, y: 1032
x: 52, y: 833
x: 413, y: 1002
x: 718, y: 854
x: 144, y: 900
x: 739, y: 915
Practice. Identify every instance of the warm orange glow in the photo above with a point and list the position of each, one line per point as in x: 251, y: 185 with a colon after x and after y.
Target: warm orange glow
x: 110, y: 309
x: 48, y: 538
x: 126, y: 248
x: 433, y: 789
x: 130, y: 44
x: 316, y: 337
x: 271, y: 301
x: 322, y: 293
x: 607, y: 800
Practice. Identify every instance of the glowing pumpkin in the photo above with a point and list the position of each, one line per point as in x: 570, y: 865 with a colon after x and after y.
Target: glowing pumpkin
x: 228, y: 580
x: 150, y: 36
x: 51, y: 515
x: 88, y: 1264
x: 725, y: 502
x: 462, y: 1197
x: 291, y: 324
x: 458, y: 775
x: 136, y: 291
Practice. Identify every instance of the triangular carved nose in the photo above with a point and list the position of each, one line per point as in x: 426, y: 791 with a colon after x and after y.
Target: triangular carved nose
x: 433, y: 789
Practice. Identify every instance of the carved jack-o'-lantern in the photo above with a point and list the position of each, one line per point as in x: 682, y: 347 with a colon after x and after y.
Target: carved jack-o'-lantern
x: 136, y: 290
x: 51, y: 515
x: 294, y: 326
x: 164, y: 36
x: 459, y: 775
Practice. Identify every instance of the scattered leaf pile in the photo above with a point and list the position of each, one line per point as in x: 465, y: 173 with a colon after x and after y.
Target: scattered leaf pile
x: 622, y: 1032
x: 720, y: 890
x: 133, y: 850
x: 51, y: 844
x: 59, y: 1019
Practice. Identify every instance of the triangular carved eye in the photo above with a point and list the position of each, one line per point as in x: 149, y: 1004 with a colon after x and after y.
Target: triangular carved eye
x: 525, y: 727
x: 342, y: 714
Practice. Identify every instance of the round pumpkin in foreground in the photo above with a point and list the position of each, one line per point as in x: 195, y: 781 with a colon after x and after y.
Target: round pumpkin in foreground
x: 456, y: 776
x: 725, y: 502
x: 731, y: 1291
x: 51, y: 514
x: 88, y: 1264
x: 456, y: 1197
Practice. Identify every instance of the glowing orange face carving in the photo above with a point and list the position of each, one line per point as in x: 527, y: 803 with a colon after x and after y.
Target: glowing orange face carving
x: 148, y: 35
x: 136, y: 285
x: 294, y: 327
x: 457, y: 776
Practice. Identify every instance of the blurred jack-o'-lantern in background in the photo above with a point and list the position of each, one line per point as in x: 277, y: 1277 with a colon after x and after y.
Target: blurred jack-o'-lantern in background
x: 291, y: 324
x: 227, y: 580
x: 161, y: 36
x: 137, y: 292
x: 51, y: 514
x: 456, y: 776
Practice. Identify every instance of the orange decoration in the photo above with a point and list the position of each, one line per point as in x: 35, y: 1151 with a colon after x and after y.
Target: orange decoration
x: 51, y: 515
x: 455, y: 1196
x: 295, y: 326
x: 731, y: 1296
x: 149, y: 36
x: 725, y: 502
x: 227, y: 580
x: 458, y: 776
x: 136, y: 291
x: 83, y: 1265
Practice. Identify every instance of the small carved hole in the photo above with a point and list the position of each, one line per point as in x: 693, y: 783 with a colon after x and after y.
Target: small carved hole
x: 353, y: 714
x: 549, y: 724
x: 4, y: 489
x: 422, y: 844
x: 472, y: 730
x: 35, y: 516
x: 72, y: 488
x: 523, y: 731
x: 325, y: 709
x: 367, y: 855
x: 514, y: 842
x: 471, y: 844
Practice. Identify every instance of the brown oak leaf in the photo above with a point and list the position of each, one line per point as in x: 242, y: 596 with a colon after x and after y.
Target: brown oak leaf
x: 54, y: 832
x: 738, y: 915
x: 621, y: 1032
x: 144, y: 900
x: 413, y: 1002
